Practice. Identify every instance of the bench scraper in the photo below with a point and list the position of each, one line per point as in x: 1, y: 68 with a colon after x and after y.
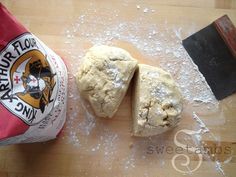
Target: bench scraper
x: 213, y: 50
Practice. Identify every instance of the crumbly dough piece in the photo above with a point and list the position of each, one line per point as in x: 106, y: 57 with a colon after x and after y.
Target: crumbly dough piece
x: 104, y: 77
x: 156, y: 101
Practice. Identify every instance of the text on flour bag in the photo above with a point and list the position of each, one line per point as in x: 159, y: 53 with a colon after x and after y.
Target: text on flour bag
x: 33, y: 85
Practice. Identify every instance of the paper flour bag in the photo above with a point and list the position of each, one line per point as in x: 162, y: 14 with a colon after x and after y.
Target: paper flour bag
x: 33, y: 85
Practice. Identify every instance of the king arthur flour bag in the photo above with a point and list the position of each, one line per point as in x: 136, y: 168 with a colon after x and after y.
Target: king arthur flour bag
x: 33, y: 85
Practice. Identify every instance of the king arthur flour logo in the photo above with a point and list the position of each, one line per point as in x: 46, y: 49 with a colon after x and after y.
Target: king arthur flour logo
x: 28, y: 81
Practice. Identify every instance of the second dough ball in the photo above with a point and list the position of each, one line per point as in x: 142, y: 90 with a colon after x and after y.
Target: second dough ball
x: 157, y: 102
x: 104, y: 77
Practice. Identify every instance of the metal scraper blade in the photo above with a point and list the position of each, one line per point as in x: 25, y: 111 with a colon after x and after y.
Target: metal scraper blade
x: 214, y: 60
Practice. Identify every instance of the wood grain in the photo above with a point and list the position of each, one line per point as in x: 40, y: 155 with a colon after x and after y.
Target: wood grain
x: 58, y: 158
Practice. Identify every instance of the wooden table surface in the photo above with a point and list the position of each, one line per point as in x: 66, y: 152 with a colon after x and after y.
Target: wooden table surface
x: 99, y: 147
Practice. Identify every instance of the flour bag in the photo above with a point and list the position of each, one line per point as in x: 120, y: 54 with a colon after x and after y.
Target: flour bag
x: 33, y: 85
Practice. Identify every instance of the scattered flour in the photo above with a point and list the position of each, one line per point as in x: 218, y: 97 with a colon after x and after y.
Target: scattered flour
x: 161, y: 43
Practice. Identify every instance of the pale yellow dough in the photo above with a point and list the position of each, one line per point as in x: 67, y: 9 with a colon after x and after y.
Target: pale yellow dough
x: 104, y: 77
x: 156, y: 101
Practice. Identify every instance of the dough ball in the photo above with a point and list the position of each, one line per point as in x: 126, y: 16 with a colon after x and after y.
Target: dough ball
x: 104, y: 78
x: 156, y: 101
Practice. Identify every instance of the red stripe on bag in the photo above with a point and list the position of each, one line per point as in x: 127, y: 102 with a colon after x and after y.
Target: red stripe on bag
x: 10, y: 28
x: 10, y: 125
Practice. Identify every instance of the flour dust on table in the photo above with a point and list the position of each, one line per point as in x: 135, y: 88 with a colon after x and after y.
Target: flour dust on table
x: 160, y: 44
